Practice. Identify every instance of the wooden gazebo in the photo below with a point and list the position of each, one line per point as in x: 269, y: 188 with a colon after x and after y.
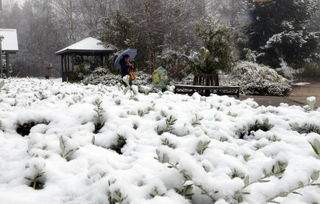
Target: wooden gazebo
x: 88, y: 47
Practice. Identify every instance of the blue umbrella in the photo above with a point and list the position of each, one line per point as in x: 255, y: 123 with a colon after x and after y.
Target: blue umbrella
x: 132, y: 54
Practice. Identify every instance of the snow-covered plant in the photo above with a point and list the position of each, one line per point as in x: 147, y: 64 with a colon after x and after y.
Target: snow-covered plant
x: 120, y: 143
x: 35, y: 174
x: 163, y: 113
x: 265, y: 125
x: 168, y: 127
x: 196, y: 121
x: 235, y: 173
x: 2, y: 84
x: 312, y: 181
x: 186, y: 190
x: 141, y: 112
x: 41, y: 96
x: 202, y: 146
x: 116, y: 197
x: 66, y: 149
x: 162, y: 157
x: 278, y: 168
x: 311, y: 101
x: 23, y: 129
x: 99, y: 118
x: 175, y: 61
x: 234, y: 115
x: 117, y: 102
x: 305, y: 128
x: 166, y: 142
x: 77, y: 99
x: 217, y: 51
x: 156, y: 192
x: 274, y: 138
x: 257, y: 79
x: 135, y: 125
x: 316, y: 146
x: 188, y: 185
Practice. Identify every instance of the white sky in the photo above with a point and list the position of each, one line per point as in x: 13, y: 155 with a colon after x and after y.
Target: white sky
x: 13, y: 1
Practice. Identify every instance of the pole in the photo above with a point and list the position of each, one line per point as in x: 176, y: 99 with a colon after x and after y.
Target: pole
x: 7, y: 64
x: 1, y: 68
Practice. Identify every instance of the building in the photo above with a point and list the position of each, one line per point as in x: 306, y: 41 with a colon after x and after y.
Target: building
x: 75, y: 55
x: 9, y: 45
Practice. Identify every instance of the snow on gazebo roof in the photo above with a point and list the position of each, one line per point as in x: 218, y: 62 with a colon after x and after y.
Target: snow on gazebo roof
x: 10, y: 41
x: 86, y: 45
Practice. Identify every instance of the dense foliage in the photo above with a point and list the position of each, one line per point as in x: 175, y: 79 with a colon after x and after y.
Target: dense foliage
x: 217, y: 51
x: 280, y: 30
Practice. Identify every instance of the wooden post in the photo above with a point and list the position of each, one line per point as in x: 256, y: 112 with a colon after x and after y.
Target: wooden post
x: 1, y: 70
x: 62, y: 69
x: 7, y: 64
x: 68, y: 67
x: 72, y: 65
x: 101, y: 57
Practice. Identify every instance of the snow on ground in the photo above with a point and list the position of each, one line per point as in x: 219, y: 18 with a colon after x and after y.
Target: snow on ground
x: 301, y: 84
x: 151, y: 149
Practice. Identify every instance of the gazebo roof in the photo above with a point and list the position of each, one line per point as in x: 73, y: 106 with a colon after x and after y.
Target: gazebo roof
x: 85, y: 46
x: 10, y: 41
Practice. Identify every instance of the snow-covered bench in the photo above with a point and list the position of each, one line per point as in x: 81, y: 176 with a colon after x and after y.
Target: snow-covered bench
x: 206, y: 90
x: 207, y: 84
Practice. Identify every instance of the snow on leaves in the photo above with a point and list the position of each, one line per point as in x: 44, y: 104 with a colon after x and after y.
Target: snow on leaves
x: 154, y: 149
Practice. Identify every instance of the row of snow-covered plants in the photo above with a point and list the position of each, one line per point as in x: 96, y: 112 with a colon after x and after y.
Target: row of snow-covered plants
x: 69, y: 143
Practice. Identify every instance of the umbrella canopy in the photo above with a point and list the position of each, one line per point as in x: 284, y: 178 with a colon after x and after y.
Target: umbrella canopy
x: 132, y: 54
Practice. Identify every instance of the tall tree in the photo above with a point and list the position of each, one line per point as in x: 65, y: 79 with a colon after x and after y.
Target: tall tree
x: 38, y: 36
x: 163, y: 24
x: 279, y: 30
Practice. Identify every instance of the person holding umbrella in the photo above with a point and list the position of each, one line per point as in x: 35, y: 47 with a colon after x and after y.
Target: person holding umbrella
x: 124, y: 62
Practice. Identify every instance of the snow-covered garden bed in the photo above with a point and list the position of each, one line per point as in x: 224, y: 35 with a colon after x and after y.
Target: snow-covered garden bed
x: 70, y: 143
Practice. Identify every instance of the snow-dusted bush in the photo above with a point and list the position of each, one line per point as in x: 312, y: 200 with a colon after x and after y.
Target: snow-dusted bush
x: 306, y: 128
x: 253, y: 127
x: 258, y: 79
x: 176, y: 62
x: 103, y: 76
x: 35, y: 174
x: 120, y: 143
x: 217, y: 51
x: 67, y: 148
x: 99, y: 120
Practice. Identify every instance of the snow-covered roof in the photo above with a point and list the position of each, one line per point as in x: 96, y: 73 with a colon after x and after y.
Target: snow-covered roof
x: 10, y: 41
x: 87, y: 45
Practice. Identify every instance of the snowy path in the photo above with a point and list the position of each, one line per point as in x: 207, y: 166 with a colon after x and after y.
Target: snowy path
x: 151, y: 149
